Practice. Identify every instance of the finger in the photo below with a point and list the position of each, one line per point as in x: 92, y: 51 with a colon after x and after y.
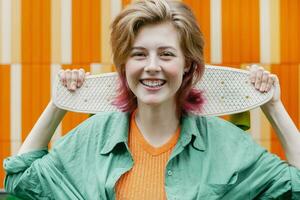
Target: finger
x: 264, y: 81
x: 270, y: 83
x: 81, y: 76
x: 68, y: 74
x: 62, y: 77
x: 258, y: 78
x: 74, y: 78
x: 252, y: 76
x: 253, y: 70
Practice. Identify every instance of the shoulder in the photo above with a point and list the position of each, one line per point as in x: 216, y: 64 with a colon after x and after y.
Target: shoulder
x: 219, y: 132
x: 225, y: 140
x: 219, y: 127
x: 96, y: 127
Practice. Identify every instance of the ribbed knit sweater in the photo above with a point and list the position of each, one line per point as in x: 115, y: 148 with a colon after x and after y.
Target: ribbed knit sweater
x: 145, y: 181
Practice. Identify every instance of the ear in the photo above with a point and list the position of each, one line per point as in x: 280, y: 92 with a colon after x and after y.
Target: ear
x: 188, y: 67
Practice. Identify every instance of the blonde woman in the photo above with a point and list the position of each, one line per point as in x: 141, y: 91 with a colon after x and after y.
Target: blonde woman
x: 154, y: 148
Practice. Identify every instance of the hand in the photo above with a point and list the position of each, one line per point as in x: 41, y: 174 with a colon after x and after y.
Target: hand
x: 72, y: 79
x: 263, y: 81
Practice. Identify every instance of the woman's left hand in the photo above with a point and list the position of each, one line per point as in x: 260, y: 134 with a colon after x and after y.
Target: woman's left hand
x: 263, y: 81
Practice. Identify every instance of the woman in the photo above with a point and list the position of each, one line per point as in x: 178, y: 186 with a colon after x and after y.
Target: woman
x: 154, y: 149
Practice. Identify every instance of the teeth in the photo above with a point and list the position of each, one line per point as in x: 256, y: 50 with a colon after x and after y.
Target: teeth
x: 153, y: 83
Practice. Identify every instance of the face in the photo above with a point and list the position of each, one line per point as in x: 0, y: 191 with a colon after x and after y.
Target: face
x: 155, y: 66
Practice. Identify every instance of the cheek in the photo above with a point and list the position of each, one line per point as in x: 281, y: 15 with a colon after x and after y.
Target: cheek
x: 132, y: 72
x: 175, y: 72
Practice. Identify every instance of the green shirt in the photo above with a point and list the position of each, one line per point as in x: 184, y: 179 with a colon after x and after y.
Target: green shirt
x: 212, y: 159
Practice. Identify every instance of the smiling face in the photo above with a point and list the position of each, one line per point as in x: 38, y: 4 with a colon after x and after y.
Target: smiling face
x: 155, y: 66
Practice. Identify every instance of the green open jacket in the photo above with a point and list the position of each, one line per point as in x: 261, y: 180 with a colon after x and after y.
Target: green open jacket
x: 212, y: 159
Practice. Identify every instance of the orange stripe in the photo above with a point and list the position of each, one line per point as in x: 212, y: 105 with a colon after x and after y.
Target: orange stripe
x: 36, y: 31
x: 45, y: 82
x: 125, y: 3
x: 95, y: 30
x: 290, y: 31
x: 35, y: 94
x: 4, y: 116
x: 45, y: 26
x: 85, y: 28
x: 86, y: 31
x: 250, y: 30
x: 240, y: 31
x: 35, y: 51
x: 26, y: 31
x: 201, y: 9
x: 76, y: 33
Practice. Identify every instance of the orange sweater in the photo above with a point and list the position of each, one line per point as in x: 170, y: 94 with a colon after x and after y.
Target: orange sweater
x: 146, y: 178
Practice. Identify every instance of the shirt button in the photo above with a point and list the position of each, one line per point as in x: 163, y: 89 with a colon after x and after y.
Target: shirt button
x: 170, y: 173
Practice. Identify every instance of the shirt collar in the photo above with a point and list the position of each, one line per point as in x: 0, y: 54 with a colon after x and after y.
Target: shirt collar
x: 192, y: 130
x: 117, y: 132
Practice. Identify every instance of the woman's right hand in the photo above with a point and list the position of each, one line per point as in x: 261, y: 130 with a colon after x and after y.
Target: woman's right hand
x: 72, y: 79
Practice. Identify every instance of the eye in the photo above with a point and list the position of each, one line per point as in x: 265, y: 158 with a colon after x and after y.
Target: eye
x: 138, y: 54
x: 167, y: 54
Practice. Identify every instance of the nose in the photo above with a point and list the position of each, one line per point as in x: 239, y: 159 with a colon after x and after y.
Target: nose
x: 153, y: 64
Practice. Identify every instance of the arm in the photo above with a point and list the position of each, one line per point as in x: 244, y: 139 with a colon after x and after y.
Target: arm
x: 280, y: 120
x: 34, y: 169
x: 43, y: 130
x: 285, y: 129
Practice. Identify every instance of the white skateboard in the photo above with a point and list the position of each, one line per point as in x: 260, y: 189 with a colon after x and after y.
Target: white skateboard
x: 226, y: 91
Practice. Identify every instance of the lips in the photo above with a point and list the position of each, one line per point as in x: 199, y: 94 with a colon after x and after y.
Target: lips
x: 153, y: 83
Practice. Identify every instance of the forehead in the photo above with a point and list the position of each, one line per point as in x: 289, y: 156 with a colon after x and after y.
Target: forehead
x: 163, y: 34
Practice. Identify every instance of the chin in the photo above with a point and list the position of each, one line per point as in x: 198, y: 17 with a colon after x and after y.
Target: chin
x: 151, y: 102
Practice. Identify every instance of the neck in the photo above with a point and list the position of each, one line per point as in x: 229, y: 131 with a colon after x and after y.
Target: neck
x: 157, y: 121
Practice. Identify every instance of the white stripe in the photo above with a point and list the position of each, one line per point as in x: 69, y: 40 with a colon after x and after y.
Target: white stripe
x: 98, y: 68
x: 5, y: 24
x: 54, y: 71
x: 265, y: 31
x: 15, y: 107
x: 116, y: 7
x: 95, y: 68
x: 216, y: 31
x: 55, y: 31
x: 66, y: 31
x: 16, y: 31
x: 105, y: 31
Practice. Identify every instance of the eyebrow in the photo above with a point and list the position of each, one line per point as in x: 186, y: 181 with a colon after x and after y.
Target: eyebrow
x: 162, y: 47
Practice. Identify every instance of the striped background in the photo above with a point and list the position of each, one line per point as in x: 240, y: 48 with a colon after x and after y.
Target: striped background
x: 38, y: 37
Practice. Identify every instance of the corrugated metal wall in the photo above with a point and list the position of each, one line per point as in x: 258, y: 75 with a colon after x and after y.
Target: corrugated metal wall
x: 37, y: 37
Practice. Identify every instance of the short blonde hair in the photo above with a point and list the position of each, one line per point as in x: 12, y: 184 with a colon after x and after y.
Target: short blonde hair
x: 125, y: 29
